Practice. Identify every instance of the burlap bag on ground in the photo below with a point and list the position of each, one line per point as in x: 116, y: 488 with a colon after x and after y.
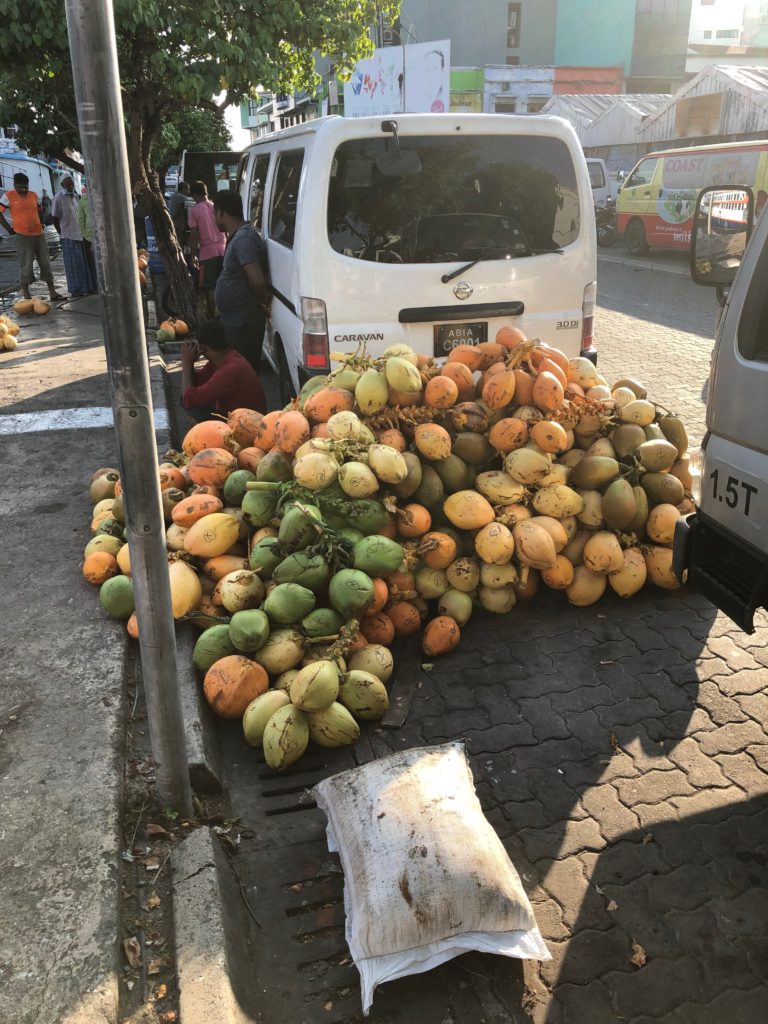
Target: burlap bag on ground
x: 426, y: 877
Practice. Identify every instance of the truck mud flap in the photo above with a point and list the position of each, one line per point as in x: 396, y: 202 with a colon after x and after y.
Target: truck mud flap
x: 727, y: 570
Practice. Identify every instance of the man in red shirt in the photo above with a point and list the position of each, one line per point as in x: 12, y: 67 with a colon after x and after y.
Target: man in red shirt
x: 27, y: 226
x: 226, y: 382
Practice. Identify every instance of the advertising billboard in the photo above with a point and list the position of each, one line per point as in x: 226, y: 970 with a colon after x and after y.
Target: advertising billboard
x: 401, y: 79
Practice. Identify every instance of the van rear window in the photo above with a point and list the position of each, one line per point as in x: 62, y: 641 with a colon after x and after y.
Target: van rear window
x: 445, y: 199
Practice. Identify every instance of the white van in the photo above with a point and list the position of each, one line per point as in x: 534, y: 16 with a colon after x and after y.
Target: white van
x: 602, y: 191
x: 428, y: 229
x: 722, y: 548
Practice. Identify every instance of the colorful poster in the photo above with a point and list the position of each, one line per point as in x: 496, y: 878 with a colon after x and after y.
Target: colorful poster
x: 401, y: 79
x: 428, y: 77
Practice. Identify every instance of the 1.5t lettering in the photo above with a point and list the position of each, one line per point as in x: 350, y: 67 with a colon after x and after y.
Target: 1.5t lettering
x: 731, y: 494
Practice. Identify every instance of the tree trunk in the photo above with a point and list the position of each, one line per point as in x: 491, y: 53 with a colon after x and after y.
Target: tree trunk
x: 153, y: 205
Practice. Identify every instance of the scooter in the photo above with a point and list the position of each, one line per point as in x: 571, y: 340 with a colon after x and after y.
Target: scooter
x: 605, y: 219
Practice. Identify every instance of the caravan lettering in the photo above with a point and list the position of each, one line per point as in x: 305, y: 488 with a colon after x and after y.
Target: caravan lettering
x: 357, y: 338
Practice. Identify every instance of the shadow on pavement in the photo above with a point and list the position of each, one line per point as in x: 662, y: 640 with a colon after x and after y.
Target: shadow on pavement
x: 694, y: 895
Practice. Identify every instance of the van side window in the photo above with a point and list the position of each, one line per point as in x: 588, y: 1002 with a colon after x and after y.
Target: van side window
x: 285, y: 194
x: 257, y: 189
x: 752, y: 332
x: 642, y: 174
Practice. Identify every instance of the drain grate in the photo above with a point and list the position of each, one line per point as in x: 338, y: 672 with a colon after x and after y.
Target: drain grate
x: 301, y: 969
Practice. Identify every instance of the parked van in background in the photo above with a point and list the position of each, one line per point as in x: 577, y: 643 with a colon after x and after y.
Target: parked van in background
x: 428, y: 229
x: 722, y: 548
x: 602, y: 191
x: 655, y: 203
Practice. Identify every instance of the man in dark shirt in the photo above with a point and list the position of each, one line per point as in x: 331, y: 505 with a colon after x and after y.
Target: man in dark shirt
x: 226, y: 382
x: 242, y: 295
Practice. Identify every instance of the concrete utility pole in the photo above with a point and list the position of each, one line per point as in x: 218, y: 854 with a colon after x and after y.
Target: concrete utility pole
x: 93, y: 48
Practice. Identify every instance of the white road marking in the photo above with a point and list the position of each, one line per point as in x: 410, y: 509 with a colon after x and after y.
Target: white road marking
x: 67, y: 419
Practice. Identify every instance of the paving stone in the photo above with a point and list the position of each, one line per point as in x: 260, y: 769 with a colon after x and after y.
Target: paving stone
x: 499, y: 772
x: 550, y: 969
x: 734, y: 656
x: 665, y: 659
x: 646, y: 638
x: 732, y: 1005
x: 565, y: 881
x: 651, y: 815
x: 611, y: 815
x: 636, y: 920
x: 701, y: 770
x: 593, y: 734
x: 731, y: 738
x: 716, y: 803
x: 582, y: 698
x: 629, y: 859
x: 741, y: 769
x: 499, y: 737
x: 655, y: 989
x: 629, y: 713
x: 591, y: 953
x: 458, y: 695
x: 562, y: 840
x: 645, y: 752
x: 653, y: 787
x: 700, y: 722
x: 613, y: 650
x: 585, y: 1004
x: 702, y: 668
x: 668, y: 730
x: 683, y: 641
x: 742, y: 919
x: 549, y: 918
x: 454, y: 723
x: 590, y: 772
x: 698, y: 933
x: 552, y: 790
x: 687, y: 887
x: 547, y: 754
x: 526, y: 814
x: 755, y: 705
x: 545, y: 723
x: 759, y: 752
x: 668, y: 695
x: 743, y: 681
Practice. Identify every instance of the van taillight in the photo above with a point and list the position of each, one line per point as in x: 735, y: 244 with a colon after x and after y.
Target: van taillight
x: 314, y: 336
x: 588, y: 316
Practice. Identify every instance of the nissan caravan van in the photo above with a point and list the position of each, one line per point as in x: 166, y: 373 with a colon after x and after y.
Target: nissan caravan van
x: 429, y: 229
x: 722, y: 548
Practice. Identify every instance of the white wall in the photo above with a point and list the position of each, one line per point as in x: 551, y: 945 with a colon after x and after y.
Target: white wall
x: 721, y: 15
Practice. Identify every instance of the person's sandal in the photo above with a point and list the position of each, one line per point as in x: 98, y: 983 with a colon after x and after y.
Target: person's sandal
x: 57, y: 298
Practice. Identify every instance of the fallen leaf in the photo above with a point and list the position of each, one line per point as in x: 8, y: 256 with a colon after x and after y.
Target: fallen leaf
x: 129, y: 985
x: 328, y: 1006
x: 638, y: 957
x: 153, y: 901
x: 156, y: 830
x: 599, y: 890
x: 297, y: 887
x: 612, y: 905
x: 152, y: 863
x: 647, y: 838
x: 132, y: 951
x: 162, y: 991
x: 614, y: 742
x: 428, y: 666
x: 156, y: 965
x: 169, y: 1016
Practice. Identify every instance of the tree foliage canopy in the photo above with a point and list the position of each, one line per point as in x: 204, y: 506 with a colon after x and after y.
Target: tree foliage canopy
x: 192, y: 129
x: 173, y: 56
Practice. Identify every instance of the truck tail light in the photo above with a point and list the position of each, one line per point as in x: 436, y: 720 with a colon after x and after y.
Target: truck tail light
x: 588, y: 316
x: 314, y: 335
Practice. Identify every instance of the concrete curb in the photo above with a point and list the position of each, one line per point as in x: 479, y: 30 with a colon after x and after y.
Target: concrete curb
x: 199, y: 730
x: 200, y: 736
x: 205, y: 905
x: 631, y: 261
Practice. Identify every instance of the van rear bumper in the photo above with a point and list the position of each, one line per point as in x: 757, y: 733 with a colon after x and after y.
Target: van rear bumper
x: 730, y: 572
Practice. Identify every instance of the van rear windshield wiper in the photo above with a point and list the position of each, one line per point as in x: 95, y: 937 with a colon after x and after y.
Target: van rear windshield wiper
x: 493, y: 254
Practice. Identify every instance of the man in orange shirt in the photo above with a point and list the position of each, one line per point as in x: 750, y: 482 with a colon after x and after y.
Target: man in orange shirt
x: 30, y: 237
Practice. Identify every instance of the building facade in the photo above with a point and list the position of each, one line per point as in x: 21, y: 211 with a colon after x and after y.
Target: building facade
x: 727, y: 33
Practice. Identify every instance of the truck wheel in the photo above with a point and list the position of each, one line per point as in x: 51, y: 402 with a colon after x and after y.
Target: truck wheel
x: 287, y: 390
x: 635, y: 240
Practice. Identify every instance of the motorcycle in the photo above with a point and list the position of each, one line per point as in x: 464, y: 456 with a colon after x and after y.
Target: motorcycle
x: 605, y: 219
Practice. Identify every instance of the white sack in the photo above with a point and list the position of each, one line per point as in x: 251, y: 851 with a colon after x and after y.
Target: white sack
x: 426, y: 878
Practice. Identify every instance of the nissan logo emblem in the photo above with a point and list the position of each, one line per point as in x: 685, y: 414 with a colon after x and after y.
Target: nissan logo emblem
x: 463, y: 290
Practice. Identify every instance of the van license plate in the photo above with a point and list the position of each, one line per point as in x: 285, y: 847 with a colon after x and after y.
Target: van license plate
x: 448, y: 336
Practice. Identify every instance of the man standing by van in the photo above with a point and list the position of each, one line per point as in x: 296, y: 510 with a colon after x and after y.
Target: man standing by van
x: 242, y: 293
x: 31, y: 242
